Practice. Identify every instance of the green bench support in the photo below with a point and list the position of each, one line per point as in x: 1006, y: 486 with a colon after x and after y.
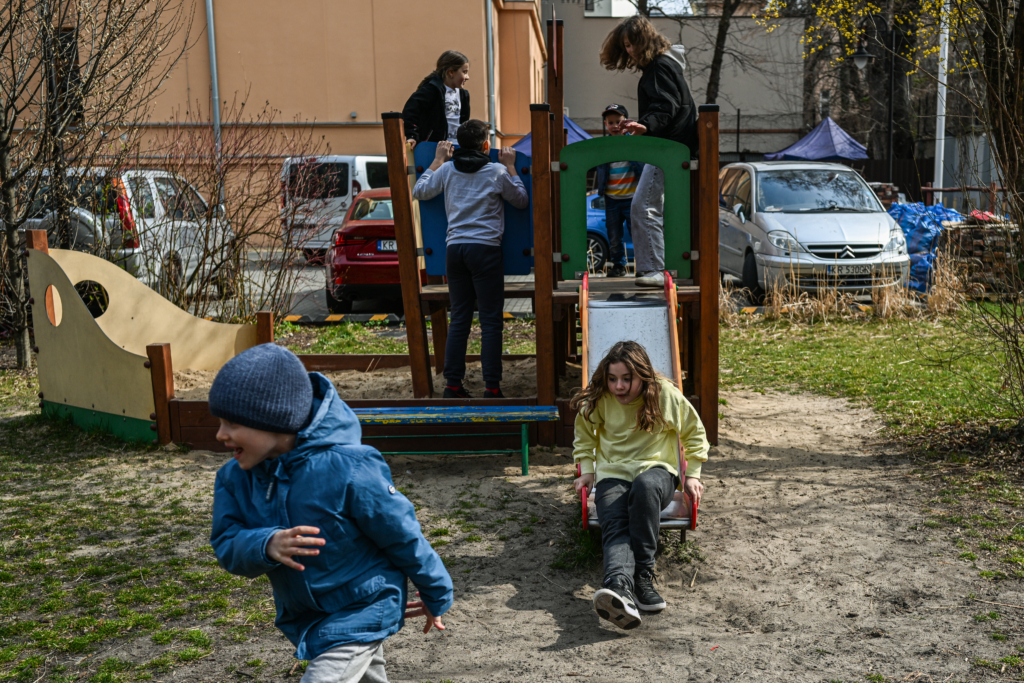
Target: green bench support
x: 459, y: 415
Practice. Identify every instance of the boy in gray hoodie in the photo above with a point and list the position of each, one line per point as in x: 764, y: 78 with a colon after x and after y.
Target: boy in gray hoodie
x: 475, y: 190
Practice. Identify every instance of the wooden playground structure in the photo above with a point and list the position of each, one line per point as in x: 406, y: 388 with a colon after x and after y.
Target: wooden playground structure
x: 114, y: 372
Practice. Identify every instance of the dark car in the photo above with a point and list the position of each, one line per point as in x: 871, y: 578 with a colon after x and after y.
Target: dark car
x: 597, y: 234
x: 362, y: 262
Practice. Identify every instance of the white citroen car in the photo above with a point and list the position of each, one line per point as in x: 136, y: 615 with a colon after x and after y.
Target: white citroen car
x: 806, y: 223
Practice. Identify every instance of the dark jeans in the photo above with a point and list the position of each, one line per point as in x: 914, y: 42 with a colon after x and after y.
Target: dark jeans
x: 616, y: 213
x: 630, y: 514
x: 475, y: 275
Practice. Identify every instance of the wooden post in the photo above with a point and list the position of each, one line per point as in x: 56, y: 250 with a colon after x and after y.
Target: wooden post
x: 993, y: 194
x: 438, y: 328
x: 408, y: 265
x: 928, y: 195
x: 36, y: 239
x: 707, y: 276
x: 556, y: 98
x: 540, y: 177
x: 163, y: 388
x: 264, y: 327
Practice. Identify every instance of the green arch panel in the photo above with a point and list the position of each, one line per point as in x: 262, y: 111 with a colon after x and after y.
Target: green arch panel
x: 667, y: 155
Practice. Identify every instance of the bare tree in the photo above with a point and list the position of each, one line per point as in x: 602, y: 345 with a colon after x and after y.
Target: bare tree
x: 74, y: 76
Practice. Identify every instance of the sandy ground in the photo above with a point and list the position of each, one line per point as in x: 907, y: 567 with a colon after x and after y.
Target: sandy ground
x: 817, y: 568
x: 519, y: 379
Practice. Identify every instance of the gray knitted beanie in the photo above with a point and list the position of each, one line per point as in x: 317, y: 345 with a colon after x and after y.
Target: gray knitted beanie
x: 265, y: 387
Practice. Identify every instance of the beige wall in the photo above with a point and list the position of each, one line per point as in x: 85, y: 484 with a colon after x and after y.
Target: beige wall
x: 322, y: 60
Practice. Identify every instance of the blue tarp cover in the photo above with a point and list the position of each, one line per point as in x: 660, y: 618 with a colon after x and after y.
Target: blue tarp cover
x: 827, y: 142
x: 575, y: 135
x: 921, y: 226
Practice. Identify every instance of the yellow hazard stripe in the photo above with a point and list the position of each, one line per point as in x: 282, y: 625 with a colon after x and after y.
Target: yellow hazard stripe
x: 379, y: 316
x: 748, y: 310
x: 334, y: 318
x: 507, y: 315
x: 292, y: 318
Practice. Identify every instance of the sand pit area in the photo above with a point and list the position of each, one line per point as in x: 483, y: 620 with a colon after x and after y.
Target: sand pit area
x: 817, y: 566
x: 519, y: 380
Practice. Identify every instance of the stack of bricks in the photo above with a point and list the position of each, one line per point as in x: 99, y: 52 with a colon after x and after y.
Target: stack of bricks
x: 986, y: 250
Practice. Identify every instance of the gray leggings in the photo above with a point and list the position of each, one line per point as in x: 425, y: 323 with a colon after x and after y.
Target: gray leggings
x: 353, y: 663
x: 630, y: 514
x: 647, y: 220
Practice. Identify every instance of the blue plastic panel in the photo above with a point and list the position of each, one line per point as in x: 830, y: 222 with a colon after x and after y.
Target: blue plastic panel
x: 518, y: 239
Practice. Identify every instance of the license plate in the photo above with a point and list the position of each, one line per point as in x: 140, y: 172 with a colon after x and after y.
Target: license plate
x: 387, y: 245
x: 849, y: 270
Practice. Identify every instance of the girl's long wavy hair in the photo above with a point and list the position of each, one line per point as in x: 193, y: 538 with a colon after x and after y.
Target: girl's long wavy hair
x: 450, y: 60
x: 634, y: 356
x: 642, y: 35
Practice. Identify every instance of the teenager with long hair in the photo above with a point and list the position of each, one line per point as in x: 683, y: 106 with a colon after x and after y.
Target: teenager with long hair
x: 630, y: 426
x: 440, y: 104
x: 667, y: 110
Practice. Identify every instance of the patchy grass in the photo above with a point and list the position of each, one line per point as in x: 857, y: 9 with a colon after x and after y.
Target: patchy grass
x: 892, y: 366
x: 18, y: 388
x: 104, y: 543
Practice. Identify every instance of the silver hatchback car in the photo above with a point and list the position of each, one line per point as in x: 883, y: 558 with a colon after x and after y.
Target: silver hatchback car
x: 805, y: 223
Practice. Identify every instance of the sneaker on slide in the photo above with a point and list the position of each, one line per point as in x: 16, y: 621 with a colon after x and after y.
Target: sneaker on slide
x: 647, y: 599
x: 653, y: 279
x: 615, y: 603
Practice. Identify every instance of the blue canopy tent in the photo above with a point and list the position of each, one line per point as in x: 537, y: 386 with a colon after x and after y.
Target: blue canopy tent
x: 575, y: 135
x: 827, y: 142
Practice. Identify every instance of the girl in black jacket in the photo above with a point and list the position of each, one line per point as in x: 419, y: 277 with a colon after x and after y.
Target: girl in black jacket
x: 440, y: 104
x: 667, y: 110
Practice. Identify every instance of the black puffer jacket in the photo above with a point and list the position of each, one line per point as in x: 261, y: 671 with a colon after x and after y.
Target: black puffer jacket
x: 666, y: 106
x: 424, y: 115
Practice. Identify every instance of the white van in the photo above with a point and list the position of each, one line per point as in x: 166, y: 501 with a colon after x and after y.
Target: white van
x: 316, y: 193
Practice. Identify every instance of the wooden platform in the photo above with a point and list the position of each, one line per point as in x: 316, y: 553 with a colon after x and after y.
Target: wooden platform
x: 566, y: 292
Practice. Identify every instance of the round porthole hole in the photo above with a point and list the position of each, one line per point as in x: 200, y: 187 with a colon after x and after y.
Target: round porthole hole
x: 95, y: 297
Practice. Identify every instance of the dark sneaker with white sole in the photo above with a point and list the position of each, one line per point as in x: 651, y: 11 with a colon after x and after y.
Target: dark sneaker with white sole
x: 615, y: 603
x: 647, y: 599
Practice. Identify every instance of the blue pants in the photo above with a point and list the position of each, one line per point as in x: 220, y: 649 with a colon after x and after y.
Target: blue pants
x: 616, y: 213
x: 475, y: 275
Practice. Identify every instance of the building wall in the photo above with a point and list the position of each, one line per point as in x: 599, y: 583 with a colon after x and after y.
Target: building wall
x: 340, y: 64
x: 768, y: 90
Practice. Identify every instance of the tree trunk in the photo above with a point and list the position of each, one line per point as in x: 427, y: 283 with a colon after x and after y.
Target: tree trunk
x: 811, y: 75
x: 15, y: 272
x: 715, y: 75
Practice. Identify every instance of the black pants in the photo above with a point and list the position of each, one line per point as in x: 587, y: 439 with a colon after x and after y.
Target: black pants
x: 630, y: 514
x: 475, y: 275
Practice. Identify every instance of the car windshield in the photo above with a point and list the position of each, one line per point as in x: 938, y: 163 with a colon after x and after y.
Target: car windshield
x: 814, y: 190
x: 372, y: 210
x: 313, y: 180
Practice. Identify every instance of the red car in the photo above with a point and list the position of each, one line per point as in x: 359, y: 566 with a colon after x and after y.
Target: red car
x: 362, y: 262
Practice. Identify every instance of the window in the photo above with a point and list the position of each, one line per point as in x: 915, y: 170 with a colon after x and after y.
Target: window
x: 814, y: 190
x: 142, y: 197
x: 180, y: 201
x: 313, y: 180
x: 377, y: 174
x: 373, y: 210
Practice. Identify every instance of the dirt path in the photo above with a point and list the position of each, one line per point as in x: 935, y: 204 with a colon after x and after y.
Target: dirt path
x: 818, y: 567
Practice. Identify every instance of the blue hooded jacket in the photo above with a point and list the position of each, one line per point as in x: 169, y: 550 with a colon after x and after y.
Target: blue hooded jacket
x: 354, y: 591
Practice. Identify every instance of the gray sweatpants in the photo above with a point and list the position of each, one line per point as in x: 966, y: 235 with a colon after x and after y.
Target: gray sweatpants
x: 353, y: 663
x: 647, y: 218
x: 630, y: 514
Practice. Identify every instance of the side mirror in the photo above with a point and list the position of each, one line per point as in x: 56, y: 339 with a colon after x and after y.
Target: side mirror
x: 738, y: 210
x: 219, y: 211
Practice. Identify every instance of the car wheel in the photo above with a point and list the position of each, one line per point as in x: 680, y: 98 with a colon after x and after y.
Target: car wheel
x: 597, y: 252
x: 170, y: 277
x: 336, y: 304
x: 750, y: 282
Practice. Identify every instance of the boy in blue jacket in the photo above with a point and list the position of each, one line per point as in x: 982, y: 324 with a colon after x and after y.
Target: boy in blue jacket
x: 302, y: 486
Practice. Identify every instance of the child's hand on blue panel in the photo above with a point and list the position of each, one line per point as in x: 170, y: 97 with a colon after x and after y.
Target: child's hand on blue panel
x: 418, y: 608
x: 288, y: 542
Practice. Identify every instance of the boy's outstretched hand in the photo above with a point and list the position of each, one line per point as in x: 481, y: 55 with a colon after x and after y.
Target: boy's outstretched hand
x: 584, y: 480
x: 694, y: 489
x: 288, y: 542
x: 507, y: 157
x: 418, y: 608
x: 444, y: 152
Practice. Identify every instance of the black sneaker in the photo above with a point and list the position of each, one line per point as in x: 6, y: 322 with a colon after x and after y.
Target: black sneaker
x: 647, y: 598
x: 456, y: 392
x: 493, y: 393
x: 617, y: 271
x: 615, y: 603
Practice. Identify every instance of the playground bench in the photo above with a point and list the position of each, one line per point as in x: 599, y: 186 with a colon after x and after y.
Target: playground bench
x: 523, y: 415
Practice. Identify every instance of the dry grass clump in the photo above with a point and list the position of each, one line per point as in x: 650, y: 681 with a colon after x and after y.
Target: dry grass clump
x: 891, y: 301
x: 785, y: 300
x: 948, y: 293
x: 727, y: 315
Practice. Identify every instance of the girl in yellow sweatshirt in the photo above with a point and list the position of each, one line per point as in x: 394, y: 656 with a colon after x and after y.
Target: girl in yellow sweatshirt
x: 630, y: 425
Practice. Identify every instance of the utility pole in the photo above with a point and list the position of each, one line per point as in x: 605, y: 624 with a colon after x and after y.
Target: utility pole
x: 940, y: 104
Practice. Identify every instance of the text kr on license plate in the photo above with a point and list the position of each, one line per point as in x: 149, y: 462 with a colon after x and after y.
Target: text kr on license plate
x: 849, y: 270
x: 387, y: 245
